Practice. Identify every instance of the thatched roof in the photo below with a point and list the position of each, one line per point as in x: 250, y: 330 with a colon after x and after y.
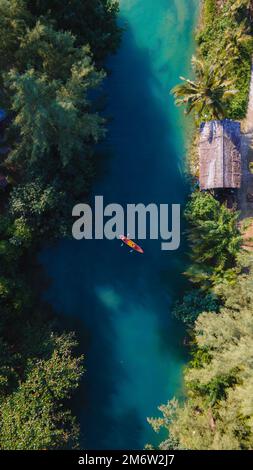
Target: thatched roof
x: 220, y: 154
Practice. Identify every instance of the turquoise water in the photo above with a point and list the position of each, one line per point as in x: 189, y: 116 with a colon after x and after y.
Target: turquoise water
x: 119, y: 302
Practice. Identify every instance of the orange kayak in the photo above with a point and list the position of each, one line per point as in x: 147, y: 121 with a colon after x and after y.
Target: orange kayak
x: 131, y: 244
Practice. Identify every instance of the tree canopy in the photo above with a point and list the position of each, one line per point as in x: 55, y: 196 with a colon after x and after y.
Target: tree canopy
x: 214, y: 239
x: 208, y: 94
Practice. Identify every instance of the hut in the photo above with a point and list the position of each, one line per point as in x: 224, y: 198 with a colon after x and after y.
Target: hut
x: 220, y: 155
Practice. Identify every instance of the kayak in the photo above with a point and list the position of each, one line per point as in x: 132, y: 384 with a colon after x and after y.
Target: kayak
x: 131, y: 244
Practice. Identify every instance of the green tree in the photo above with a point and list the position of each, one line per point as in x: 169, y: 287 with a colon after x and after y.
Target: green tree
x: 214, y: 238
x: 32, y: 417
x: 207, y: 95
x: 14, y: 21
x: 38, y: 210
x: 52, y: 117
x: 193, y: 303
x: 93, y: 22
x: 49, y: 51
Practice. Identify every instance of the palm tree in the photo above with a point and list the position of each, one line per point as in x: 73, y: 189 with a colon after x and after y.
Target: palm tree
x: 207, y: 95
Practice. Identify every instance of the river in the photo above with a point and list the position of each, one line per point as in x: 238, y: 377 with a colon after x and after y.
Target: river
x: 120, y: 303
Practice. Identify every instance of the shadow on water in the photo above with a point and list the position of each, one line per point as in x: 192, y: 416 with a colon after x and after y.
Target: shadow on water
x: 117, y: 301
